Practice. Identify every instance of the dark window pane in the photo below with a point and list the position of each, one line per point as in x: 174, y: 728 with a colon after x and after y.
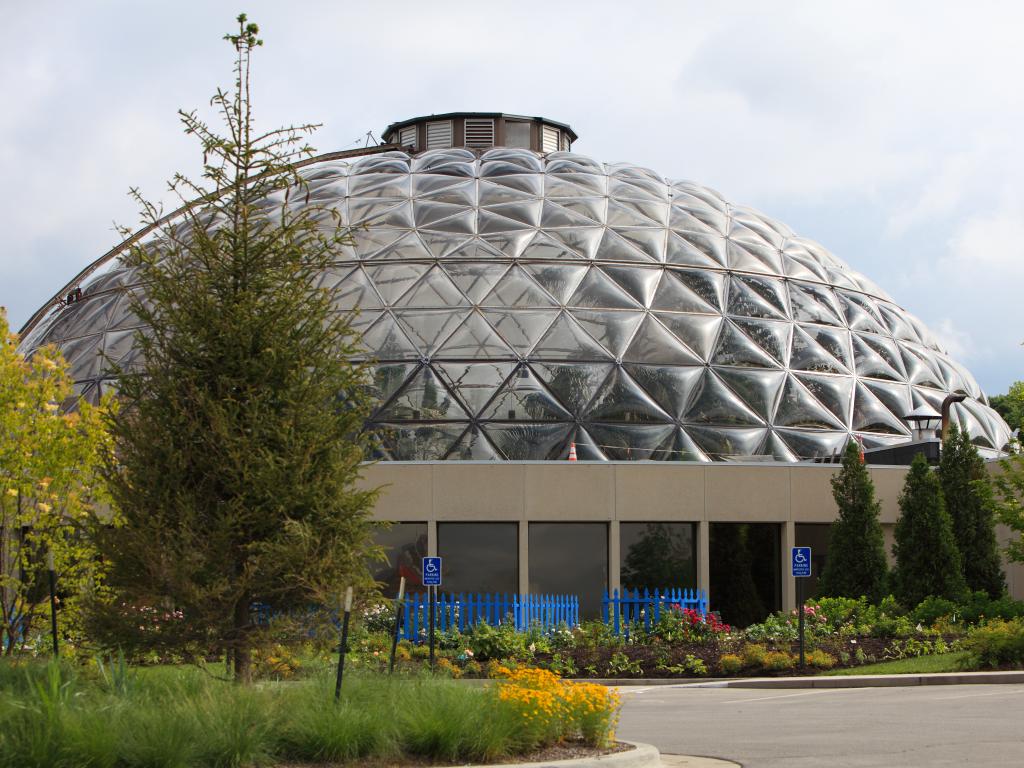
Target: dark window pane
x: 815, y: 536
x: 479, y: 557
x: 405, y: 545
x: 570, y: 559
x: 657, y: 555
x: 745, y: 571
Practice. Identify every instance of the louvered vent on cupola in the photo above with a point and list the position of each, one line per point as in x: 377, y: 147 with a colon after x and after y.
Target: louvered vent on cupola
x: 479, y: 133
x: 549, y: 141
x: 407, y: 136
x: 439, y: 134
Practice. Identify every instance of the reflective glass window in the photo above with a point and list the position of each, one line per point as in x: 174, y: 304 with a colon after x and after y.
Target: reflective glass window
x: 405, y: 546
x: 745, y: 569
x: 479, y: 557
x: 517, y: 134
x: 815, y: 536
x: 657, y: 555
x: 570, y: 559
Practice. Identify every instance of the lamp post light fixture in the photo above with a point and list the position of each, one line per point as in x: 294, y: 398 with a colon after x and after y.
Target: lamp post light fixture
x: 924, y: 423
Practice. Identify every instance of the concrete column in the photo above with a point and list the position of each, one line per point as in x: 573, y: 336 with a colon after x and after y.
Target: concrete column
x: 788, y: 582
x: 614, y: 561
x: 704, y: 557
x: 432, y: 538
x: 524, y: 557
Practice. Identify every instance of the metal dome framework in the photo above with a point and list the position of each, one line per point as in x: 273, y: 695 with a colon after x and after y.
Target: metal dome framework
x: 513, y: 302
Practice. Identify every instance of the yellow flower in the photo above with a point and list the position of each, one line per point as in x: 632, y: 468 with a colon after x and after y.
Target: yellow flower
x: 12, y: 491
x: 44, y: 507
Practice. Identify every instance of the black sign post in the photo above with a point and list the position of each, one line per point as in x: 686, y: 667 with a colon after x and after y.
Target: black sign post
x: 801, y: 559
x: 432, y: 580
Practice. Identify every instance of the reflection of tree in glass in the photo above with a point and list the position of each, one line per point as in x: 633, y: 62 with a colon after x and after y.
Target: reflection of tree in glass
x: 733, y: 590
x: 574, y: 384
x: 662, y: 557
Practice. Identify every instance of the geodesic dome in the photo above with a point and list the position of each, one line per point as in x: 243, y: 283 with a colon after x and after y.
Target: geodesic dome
x: 515, y: 301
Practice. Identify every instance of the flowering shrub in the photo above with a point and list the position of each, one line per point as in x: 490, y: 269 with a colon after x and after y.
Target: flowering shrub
x: 685, y: 625
x: 556, y: 710
x: 730, y: 663
x: 996, y: 643
x: 778, y: 661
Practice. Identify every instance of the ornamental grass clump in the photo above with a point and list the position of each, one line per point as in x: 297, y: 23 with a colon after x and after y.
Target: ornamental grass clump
x: 558, y: 710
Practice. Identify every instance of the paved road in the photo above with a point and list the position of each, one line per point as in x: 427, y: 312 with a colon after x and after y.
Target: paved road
x: 980, y: 725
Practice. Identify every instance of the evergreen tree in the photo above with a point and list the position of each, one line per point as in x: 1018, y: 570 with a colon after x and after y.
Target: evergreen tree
x: 241, y: 434
x: 971, y: 504
x: 927, y: 560
x: 856, y: 563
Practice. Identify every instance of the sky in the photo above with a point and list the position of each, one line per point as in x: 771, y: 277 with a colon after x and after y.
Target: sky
x: 889, y: 132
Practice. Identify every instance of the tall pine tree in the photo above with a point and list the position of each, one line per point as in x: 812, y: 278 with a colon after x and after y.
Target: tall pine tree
x: 927, y: 560
x: 856, y: 563
x: 241, y: 434
x: 970, y: 501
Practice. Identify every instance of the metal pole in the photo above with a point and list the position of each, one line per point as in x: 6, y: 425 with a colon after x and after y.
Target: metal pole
x: 398, y: 624
x: 53, y: 602
x: 433, y: 595
x: 344, y: 643
x: 800, y: 604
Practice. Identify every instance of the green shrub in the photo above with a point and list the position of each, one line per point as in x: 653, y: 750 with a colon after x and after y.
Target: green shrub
x: 500, y: 642
x: 778, y: 661
x: 753, y: 655
x: 932, y: 608
x: 730, y: 663
x: 996, y: 643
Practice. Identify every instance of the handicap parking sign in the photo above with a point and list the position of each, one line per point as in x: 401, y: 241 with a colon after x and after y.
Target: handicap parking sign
x: 431, y: 571
x: 801, y: 561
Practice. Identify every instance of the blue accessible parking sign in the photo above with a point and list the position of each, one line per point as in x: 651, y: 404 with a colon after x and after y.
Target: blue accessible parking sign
x: 431, y: 571
x: 801, y: 561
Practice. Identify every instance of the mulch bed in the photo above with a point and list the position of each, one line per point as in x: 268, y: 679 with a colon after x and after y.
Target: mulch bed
x: 567, y: 751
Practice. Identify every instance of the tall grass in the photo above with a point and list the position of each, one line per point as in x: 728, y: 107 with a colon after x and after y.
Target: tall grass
x: 55, y: 716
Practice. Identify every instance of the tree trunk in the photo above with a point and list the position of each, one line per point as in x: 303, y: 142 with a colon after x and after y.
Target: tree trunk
x: 240, y: 650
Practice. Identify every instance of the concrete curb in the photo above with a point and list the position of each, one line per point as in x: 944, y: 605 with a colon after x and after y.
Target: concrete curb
x: 868, y: 681
x: 643, y: 756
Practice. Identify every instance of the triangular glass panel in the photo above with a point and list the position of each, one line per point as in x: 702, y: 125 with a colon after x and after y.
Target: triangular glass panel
x: 650, y: 241
x: 524, y: 398
x: 574, y: 184
x: 770, y: 335
x: 435, y: 289
x: 620, y: 215
x: 654, y: 344
x: 671, y: 387
x: 895, y: 396
x: 475, y: 340
x: 475, y: 250
x: 350, y: 288
x: 871, y: 415
x: 638, y: 282
x: 118, y: 347
x: 675, y: 295
x: 473, y: 446
x: 461, y: 224
x: 566, y: 340
x: 888, y: 350
x: 898, y: 324
x: 424, y: 398
x: 586, y: 446
x: 622, y: 399
x: 509, y: 244
x: 371, y: 242
x: 387, y: 379
x: 735, y: 348
x: 834, y: 392
x: 474, y: 383
x: 475, y: 280
x: 526, y: 212
x: 441, y: 244
x: 409, y: 247
x: 728, y: 443
x: 600, y: 291
x: 398, y: 216
x: 574, y: 384
x: 815, y: 444
x: 778, y: 450
x: 521, y: 328
x: 698, y: 332
x: 427, y: 442
x: 529, y: 442
x: 492, y: 223
x: 715, y: 403
x: 835, y: 341
x: 94, y: 314
x: 385, y: 340
x: 682, y: 220
x: 797, y: 408
x: 814, y: 304
x: 379, y: 185
x: 636, y: 442
x: 428, y: 328
x: 613, y: 329
x: 807, y: 355
x: 545, y: 248
x: 919, y: 369
x: 757, y: 387
x: 461, y: 194
x: 556, y: 215
x: 861, y: 313
x: 529, y: 183
x: 428, y: 184
x: 870, y: 363
x: 393, y: 280
x: 954, y: 381
x: 583, y: 240
x: 560, y: 280
x: 751, y: 296
x: 517, y: 289
x: 614, y: 247
x: 747, y: 257
x: 696, y: 249
x: 679, y: 446
x: 591, y: 209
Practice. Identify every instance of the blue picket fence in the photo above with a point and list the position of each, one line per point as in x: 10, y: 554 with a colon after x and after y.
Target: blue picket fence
x: 466, y: 610
x: 646, y: 606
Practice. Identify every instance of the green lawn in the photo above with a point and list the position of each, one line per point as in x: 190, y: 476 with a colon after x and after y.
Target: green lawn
x: 945, y: 662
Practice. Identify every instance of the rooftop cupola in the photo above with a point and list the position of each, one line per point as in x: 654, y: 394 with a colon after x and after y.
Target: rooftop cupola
x: 480, y: 130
